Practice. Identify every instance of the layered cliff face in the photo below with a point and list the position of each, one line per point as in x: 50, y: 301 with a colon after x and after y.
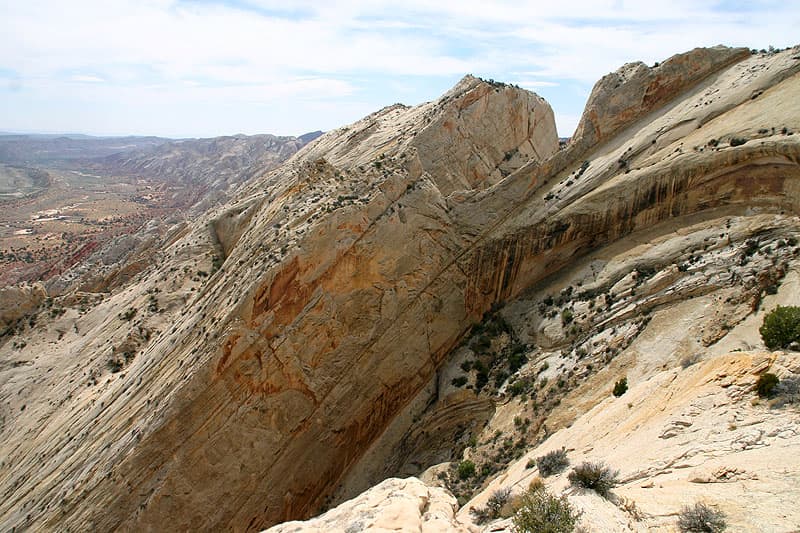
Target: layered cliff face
x: 293, y: 340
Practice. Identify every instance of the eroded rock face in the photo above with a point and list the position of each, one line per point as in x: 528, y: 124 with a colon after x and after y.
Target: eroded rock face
x: 635, y: 89
x: 484, y: 125
x: 327, y: 267
x: 18, y: 301
x: 349, y: 275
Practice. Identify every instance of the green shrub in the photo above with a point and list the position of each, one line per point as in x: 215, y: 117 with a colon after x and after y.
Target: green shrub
x: 500, y: 378
x: 128, y: 314
x: 594, y: 476
x: 737, y: 141
x: 481, y: 379
x: 701, y: 518
x: 481, y: 343
x: 541, y: 512
x: 466, y: 469
x: 620, y: 387
x: 781, y: 327
x: 552, y: 462
x: 114, y: 365
x: 519, y: 387
x: 765, y: 384
x: 516, y: 360
x: 460, y: 381
x: 494, y: 505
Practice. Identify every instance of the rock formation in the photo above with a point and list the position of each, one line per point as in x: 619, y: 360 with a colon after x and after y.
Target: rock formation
x: 304, y: 341
x: 17, y: 302
x: 393, y: 505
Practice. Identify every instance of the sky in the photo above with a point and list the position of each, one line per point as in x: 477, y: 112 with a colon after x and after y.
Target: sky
x: 203, y: 68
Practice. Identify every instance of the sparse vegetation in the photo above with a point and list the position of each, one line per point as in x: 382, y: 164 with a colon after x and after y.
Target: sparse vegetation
x: 701, y: 518
x: 766, y: 384
x: 786, y: 391
x: 737, y: 141
x: 539, y: 511
x: 620, y: 387
x: 594, y: 476
x: 466, y: 469
x: 127, y: 314
x: 460, y: 381
x: 552, y: 462
x: 494, y: 506
x: 690, y: 360
x: 781, y: 327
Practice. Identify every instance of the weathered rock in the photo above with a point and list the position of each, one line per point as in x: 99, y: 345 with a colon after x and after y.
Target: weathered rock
x: 726, y: 449
x: 635, y: 89
x: 18, y: 301
x: 392, y: 505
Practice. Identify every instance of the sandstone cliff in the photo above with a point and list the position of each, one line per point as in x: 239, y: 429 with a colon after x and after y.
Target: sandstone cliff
x: 304, y: 336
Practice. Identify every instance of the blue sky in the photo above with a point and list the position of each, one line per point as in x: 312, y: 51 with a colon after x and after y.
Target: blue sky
x: 207, y: 68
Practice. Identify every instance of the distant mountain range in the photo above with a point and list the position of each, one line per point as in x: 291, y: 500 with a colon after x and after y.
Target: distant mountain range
x: 54, y: 149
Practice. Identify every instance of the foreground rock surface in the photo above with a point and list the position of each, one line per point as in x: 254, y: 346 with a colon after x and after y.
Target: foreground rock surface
x: 393, y: 505
x: 690, y: 435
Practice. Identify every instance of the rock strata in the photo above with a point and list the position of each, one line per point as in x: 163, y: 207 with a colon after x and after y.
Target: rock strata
x: 240, y: 382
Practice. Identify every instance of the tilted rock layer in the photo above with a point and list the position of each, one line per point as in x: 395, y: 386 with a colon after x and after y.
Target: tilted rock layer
x: 240, y: 383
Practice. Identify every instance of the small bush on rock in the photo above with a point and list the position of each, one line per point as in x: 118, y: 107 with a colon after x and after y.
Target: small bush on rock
x: 701, y: 518
x: 494, y: 506
x: 781, y: 327
x: 620, y: 387
x: 594, y: 476
x: 737, y: 141
x: 689, y: 360
x: 787, y: 391
x: 466, y: 469
x: 552, y: 462
x: 765, y: 384
x: 540, y: 511
x: 460, y: 381
x: 497, y: 500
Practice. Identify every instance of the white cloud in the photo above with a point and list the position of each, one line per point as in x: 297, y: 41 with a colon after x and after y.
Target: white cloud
x: 81, y: 78
x: 353, y: 52
x: 533, y: 84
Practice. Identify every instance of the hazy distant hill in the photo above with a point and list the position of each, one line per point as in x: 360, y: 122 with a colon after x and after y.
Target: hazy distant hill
x: 48, y: 149
x: 214, y: 165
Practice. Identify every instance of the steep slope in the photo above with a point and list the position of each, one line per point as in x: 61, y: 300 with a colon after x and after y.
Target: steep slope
x: 223, y: 362
x: 352, y: 273
x: 651, y: 176
x: 681, y: 436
